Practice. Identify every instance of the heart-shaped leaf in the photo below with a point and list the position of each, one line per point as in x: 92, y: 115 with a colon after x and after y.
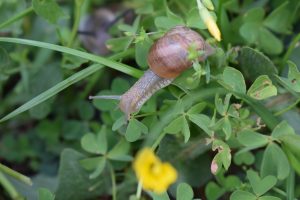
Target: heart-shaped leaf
x: 260, y: 186
x: 252, y: 139
x: 95, y: 143
x: 262, y: 88
x: 275, y: 162
x: 214, y: 191
x: 242, y: 195
x: 184, y: 192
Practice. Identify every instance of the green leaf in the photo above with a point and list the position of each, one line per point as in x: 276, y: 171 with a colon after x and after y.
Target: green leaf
x: 97, y: 164
x: 184, y: 192
x: 202, y: 121
x: 45, y: 194
x: 119, y: 123
x: 275, y: 162
x: 254, y: 15
x: 280, y: 19
x: 291, y: 142
x: 186, y: 130
x: 233, y: 80
x: 141, y: 52
x: 69, y: 188
x: 48, y: 9
x: 197, y: 108
x: 120, y: 151
x: 294, y: 161
x: 269, y: 42
x: 262, y: 88
x: 252, y: 139
x: 260, y: 186
x: 167, y: 22
x: 163, y: 196
x: 135, y: 130
x: 293, y: 80
x: 214, y: 191
x: 250, y: 31
x: 282, y: 129
x: 244, y: 158
x: 194, y: 20
x: 242, y: 195
x: 175, y: 126
x: 268, y: 198
x: 119, y: 44
x: 221, y: 107
x: 95, y: 143
x: 227, y: 128
x: 255, y: 63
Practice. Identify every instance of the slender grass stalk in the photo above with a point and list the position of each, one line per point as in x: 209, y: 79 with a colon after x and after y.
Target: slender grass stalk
x: 15, y: 174
x: 139, y: 190
x: 291, y: 106
x: 9, y: 188
x: 109, y: 62
x: 77, y: 16
x: 290, y: 185
x: 60, y: 87
x: 16, y: 17
x: 113, y: 181
x: 289, y: 51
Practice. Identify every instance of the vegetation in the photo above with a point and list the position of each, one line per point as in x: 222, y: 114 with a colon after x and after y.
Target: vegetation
x: 227, y: 128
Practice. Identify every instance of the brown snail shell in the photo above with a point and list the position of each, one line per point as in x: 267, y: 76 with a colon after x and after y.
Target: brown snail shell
x: 168, y: 56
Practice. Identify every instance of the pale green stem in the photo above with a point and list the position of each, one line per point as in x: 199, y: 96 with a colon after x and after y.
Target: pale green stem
x: 15, y: 174
x: 113, y: 181
x: 9, y: 188
x: 139, y: 190
x: 78, y: 5
x: 280, y: 112
x: 16, y: 17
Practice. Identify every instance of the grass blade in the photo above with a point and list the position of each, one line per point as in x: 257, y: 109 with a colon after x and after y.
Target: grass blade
x: 59, y: 87
x: 104, y: 61
x: 54, y: 90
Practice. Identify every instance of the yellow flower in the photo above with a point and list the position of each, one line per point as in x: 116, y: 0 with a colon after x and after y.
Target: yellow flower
x: 154, y: 174
x: 213, y: 28
x: 209, y: 21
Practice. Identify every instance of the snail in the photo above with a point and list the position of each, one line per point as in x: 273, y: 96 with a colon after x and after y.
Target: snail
x: 167, y: 59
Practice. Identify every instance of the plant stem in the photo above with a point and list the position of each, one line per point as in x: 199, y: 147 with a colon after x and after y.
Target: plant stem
x: 16, y: 17
x: 78, y: 4
x: 15, y: 174
x: 113, y: 181
x: 11, y: 190
x: 139, y: 190
x: 279, y: 191
x: 289, y: 51
x: 290, y: 185
x: 280, y: 112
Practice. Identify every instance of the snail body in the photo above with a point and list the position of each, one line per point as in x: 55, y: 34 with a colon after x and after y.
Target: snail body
x: 167, y: 59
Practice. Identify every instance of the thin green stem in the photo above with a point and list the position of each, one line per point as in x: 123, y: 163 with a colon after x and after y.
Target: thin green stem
x: 280, y: 112
x: 113, y: 182
x: 279, y: 191
x: 9, y: 188
x: 290, y: 185
x: 16, y: 17
x: 289, y: 51
x: 139, y: 190
x: 15, y: 174
x: 78, y: 5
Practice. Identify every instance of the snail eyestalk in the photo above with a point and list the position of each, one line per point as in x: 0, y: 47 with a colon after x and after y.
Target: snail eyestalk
x: 112, y: 97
